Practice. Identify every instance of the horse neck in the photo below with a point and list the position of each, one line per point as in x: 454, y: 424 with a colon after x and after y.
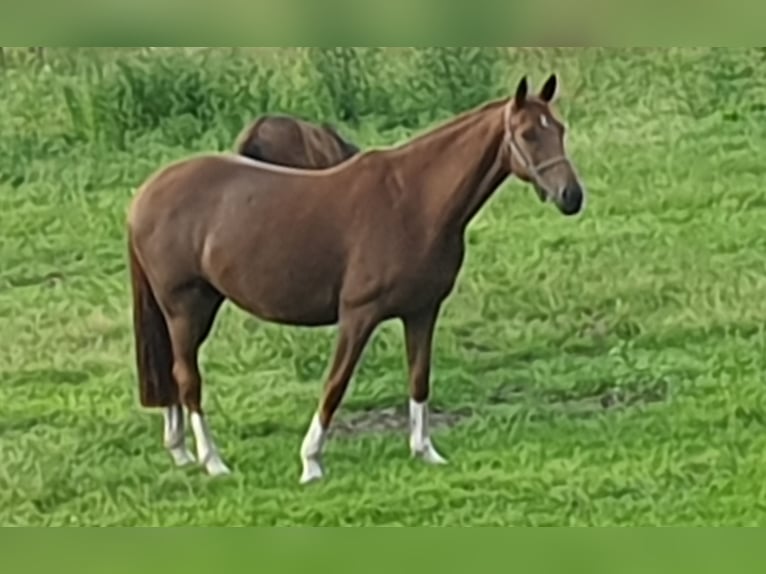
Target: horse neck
x: 456, y: 168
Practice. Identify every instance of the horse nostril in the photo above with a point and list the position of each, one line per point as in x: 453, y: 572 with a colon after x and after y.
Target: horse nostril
x: 571, y: 198
x: 572, y: 193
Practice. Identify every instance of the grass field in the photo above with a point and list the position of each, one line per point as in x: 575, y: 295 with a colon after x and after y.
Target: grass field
x: 607, y: 370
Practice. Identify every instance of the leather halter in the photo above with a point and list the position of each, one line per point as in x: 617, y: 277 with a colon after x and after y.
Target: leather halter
x: 534, y: 170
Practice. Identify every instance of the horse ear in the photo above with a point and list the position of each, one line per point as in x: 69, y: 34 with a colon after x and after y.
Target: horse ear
x: 521, y: 92
x: 548, y: 91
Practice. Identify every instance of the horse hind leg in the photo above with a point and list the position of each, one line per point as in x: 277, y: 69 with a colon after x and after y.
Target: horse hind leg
x: 154, y: 359
x: 190, y: 317
x: 174, y: 436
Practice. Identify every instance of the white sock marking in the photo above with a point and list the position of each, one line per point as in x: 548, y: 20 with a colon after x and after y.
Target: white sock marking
x: 207, y: 452
x: 174, y: 436
x: 311, y: 451
x: 420, y: 440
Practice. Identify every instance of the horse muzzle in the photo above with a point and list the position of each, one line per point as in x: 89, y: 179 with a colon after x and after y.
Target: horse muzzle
x: 571, y: 199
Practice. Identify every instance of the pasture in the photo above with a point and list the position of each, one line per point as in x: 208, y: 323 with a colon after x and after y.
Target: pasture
x: 603, y: 370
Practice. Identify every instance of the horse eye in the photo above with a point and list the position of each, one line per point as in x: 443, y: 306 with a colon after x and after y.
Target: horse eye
x: 529, y: 135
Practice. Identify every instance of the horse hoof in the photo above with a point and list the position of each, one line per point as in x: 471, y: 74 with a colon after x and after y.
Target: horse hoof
x: 181, y: 456
x: 429, y: 455
x: 433, y: 457
x: 312, y: 471
x: 216, y: 467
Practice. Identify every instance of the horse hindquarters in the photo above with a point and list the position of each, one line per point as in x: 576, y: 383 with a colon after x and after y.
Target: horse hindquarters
x: 170, y: 325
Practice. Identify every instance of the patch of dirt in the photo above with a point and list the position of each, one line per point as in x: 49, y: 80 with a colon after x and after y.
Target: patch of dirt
x: 391, y: 419
x: 566, y: 401
x: 51, y: 279
x: 587, y: 401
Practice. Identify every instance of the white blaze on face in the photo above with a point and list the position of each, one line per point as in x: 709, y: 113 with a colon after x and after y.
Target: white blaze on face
x: 544, y: 121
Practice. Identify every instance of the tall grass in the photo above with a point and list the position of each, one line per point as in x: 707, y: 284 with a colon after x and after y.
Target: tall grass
x: 111, y: 98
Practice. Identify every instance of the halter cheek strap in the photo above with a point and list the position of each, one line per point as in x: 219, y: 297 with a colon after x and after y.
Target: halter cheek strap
x: 534, y: 170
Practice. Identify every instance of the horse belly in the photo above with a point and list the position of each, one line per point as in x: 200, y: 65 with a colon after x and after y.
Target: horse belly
x: 294, y: 297
x: 280, y: 282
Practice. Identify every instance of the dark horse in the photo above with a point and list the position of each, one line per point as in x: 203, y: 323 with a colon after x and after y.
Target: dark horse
x: 292, y: 142
x: 377, y: 237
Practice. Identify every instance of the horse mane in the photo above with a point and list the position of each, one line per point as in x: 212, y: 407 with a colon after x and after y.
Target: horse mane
x: 452, y: 124
x: 251, y: 155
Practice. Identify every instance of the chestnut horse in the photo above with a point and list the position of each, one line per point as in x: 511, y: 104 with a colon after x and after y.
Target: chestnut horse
x: 378, y: 237
x: 292, y: 142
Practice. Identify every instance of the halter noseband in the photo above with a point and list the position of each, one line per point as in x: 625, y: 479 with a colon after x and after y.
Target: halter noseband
x: 534, y: 170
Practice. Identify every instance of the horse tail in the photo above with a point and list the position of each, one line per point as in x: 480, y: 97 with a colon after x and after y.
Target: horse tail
x: 154, y: 353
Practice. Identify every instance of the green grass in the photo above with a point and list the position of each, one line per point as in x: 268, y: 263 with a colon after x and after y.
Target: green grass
x: 657, y: 294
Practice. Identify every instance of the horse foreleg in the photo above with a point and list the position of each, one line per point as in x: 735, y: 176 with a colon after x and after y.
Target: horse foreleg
x: 355, y: 329
x: 419, y: 332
